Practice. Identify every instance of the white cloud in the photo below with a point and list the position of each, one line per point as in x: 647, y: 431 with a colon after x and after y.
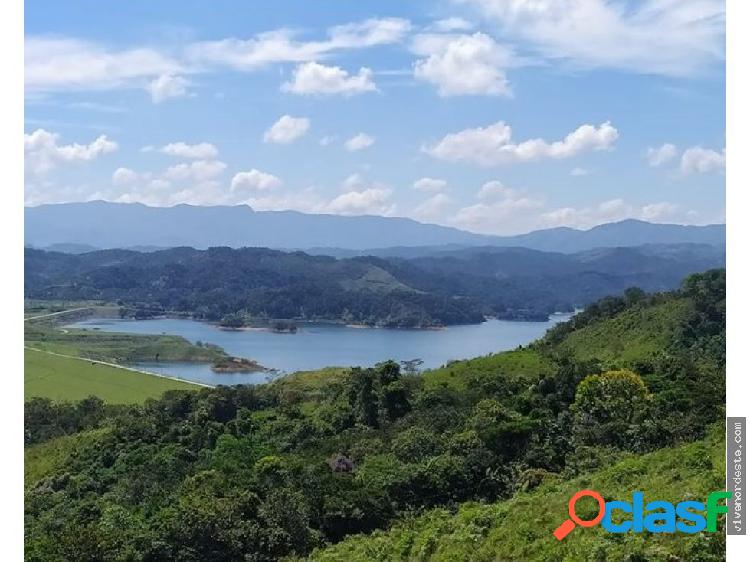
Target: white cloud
x: 452, y: 24
x: 167, y: 86
x: 368, y: 33
x: 59, y: 64
x: 199, y: 151
x: 326, y: 140
x: 430, y: 184
x: 313, y: 78
x: 360, y: 197
x: 287, y: 129
x: 493, y: 189
x: 371, y: 201
x: 283, y: 46
x: 42, y: 152
x: 658, y: 211
x: 610, y: 211
x: 254, y: 180
x: 578, y: 172
x: 197, y: 171
x: 124, y: 176
x: 492, y: 146
x: 668, y: 37
x: 433, y: 208
x: 658, y: 156
x: 508, y: 213
x: 699, y: 160
x: 54, y: 64
x: 359, y: 142
x: 463, y: 64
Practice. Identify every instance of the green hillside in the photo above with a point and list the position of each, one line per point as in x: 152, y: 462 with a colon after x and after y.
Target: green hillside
x: 520, y: 529
x: 635, y: 334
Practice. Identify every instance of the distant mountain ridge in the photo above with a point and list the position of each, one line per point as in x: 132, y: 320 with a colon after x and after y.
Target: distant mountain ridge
x: 105, y: 225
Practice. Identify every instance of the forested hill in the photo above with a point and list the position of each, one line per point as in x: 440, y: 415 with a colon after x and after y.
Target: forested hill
x: 451, y: 287
x: 372, y: 464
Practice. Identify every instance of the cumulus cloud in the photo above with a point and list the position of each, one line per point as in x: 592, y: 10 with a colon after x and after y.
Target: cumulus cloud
x: 579, y: 172
x: 503, y: 211
x: 197, y: 171
x: 200, y: 151
x: 360, y: 197
x: 314, y: 78
x: 254, y: 180
x: 195, y: 183
x: 433, y: 208
x: 287, y: 129
x: 124, y: 176
x: 359, y: 142
x: 494, y: 189
x: 673, y: 37
x: 430, y: 184
x: 699, y: 160
x: 167, y: 86
x: 42, y: 151
x: 661, y: 155
x: 492, y: 145
x: 463, y: 65
x: 371, y: 201
x: 609, y: 211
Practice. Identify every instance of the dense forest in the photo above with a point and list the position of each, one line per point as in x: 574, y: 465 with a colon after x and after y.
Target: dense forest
x: 451, y: 287
x: 290, y: 468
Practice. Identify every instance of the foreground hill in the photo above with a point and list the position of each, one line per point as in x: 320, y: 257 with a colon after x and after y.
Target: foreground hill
x: 110, y: 225
x: 291, y: 468
x: 458, y: 286
x: 520, y: 529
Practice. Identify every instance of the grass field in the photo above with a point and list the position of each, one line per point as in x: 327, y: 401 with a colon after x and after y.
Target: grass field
x: 62, y: 378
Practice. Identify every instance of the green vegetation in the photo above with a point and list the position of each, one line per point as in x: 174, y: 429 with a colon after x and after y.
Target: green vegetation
x: 520, y: 529
x: 633, y: 335
x: 117, y: 348
x: 232, y: 286
x: 474, y: 465
x: 63, y: 378
x: 521, y: 365
x: 50, y: 456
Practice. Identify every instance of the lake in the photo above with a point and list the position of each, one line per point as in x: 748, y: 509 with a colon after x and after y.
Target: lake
x: 314, y: 346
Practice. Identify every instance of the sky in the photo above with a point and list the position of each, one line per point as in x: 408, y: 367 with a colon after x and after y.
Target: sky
x: 493, y: 116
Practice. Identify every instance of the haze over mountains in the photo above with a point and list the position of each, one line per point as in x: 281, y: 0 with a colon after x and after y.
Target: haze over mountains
x: 78, y: 227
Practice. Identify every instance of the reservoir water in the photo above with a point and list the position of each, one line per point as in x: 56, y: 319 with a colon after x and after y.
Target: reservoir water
x: 314, y: 346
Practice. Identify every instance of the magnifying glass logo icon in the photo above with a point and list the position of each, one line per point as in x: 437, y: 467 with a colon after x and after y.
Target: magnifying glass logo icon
x: 569, y: 524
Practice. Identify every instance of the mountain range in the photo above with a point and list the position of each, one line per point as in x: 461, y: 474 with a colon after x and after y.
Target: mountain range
x: 80, y: 227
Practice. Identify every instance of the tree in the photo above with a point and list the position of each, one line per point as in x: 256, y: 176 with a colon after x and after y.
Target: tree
x: 363, y: 398
x: 609, y: 408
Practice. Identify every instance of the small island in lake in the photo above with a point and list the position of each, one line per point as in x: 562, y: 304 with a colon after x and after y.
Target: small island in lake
x: 237, y: 365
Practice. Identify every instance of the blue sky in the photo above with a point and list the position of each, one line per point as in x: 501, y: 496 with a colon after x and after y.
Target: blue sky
x: 496, y: 116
